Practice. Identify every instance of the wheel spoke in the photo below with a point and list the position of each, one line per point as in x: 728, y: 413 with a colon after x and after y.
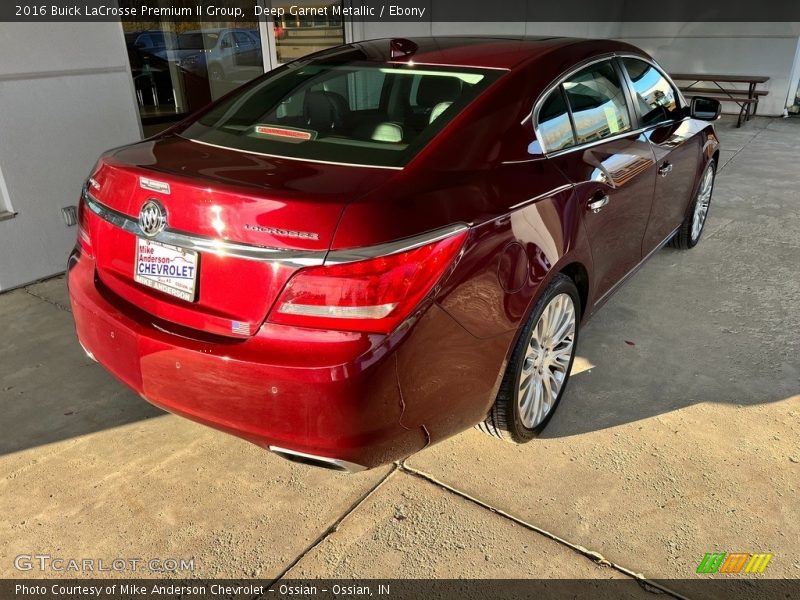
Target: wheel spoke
x: 538, y: 401
x: 561, y: 332
x: 565, y: 328
x: 561, y: 359
x: 543, y: 325
x: 547, y: 384
x: 547, y: 357
x: 528, y: 403
x: 526, y: 381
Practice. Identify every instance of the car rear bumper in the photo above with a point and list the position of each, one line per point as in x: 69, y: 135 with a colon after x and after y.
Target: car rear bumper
x: 323, y: 397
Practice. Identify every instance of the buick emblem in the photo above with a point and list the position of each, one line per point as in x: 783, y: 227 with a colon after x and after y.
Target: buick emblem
x: 152, y: 218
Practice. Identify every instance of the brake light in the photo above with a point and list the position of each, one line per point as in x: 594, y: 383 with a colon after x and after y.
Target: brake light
x: 372, y: 295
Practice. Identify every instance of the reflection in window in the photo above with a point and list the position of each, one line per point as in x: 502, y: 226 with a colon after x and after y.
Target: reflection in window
x: 656, y: 98
x: 353, y: 112
x: 555, y: 129
x: 597, y: 102
x: 365, y: 89
x: 180, y: 66
x: 299, y: 34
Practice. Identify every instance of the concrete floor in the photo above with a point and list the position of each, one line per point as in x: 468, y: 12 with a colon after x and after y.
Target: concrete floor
x: 679, y: 436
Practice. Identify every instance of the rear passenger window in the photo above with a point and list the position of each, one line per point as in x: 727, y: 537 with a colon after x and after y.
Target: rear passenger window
x: 555, y: 129
x: 656, y: 98
x: 598, y: 103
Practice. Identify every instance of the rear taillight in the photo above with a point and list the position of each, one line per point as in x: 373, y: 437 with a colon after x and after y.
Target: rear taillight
x: 371, y: 295
x: 84, y: 238
x: 84, y: 229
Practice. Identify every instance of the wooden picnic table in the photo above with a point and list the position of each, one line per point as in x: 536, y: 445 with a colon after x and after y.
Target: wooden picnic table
x: 743, y: 98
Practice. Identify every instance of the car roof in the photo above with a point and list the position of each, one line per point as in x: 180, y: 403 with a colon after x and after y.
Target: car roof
x: 487, y: 52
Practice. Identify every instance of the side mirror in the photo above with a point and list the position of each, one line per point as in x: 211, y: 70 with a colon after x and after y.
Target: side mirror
x: 226, y: 43
x: 705, y: 109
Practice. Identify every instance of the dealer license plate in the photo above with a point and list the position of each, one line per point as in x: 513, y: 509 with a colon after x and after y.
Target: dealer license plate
x: 166, y: 268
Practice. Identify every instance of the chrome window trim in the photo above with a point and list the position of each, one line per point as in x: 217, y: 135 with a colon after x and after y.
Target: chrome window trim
x: 534, y: 114
x: 592, y: 144
x: 219, y: 247
x: 311, y: 160
x: 355, y: 254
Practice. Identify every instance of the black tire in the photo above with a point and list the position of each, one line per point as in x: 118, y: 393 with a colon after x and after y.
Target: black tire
x: 683, y: 237
x: 504, y: 420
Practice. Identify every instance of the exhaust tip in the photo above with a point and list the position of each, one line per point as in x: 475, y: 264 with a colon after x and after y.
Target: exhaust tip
x: 89, y: 354
x: 333, y: 464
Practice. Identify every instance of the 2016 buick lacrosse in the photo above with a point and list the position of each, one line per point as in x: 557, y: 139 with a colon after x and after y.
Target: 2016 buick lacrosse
x: 375, y: 247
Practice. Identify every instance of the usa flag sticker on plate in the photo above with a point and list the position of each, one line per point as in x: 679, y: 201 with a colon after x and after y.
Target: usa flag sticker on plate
x: 240, y: 327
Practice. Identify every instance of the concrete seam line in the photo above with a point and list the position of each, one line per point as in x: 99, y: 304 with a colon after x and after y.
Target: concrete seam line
x: 747, y: 143
x: 332, y: 528
x: 595, y: 557
x: 13, y: 288
x: 719, y: 229
x: 48, y: 301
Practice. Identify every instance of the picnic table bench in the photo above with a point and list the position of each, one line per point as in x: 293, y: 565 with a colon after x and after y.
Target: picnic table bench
x: 746, y: 99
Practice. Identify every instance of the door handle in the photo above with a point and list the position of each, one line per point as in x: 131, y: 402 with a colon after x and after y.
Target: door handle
x: 598, y: 203
x: 665, y: 169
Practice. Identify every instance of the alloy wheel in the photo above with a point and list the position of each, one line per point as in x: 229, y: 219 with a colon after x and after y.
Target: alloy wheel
x: 702, y: 204
x: 547, y: 358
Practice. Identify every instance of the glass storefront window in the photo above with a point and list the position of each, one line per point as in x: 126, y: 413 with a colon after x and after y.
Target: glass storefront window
x: 300, y: 34
x: 180, y: 66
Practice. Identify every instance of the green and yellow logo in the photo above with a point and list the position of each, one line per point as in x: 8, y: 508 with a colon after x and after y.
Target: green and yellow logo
x: 734, y: 562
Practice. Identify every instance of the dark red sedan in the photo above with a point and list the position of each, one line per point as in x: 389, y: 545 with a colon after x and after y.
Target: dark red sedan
x: 375, y: 247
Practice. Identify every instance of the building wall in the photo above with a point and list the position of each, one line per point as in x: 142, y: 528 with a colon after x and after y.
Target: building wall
x: 66, y: 95
x: 737, y: 48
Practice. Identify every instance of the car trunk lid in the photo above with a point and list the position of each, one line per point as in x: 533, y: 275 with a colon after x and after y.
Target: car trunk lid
x: 253, y: 221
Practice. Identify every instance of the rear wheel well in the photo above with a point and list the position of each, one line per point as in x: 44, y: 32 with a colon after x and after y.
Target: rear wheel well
x: 580, y: 277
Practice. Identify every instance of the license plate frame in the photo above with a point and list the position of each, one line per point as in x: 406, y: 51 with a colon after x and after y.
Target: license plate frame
x: 178, y: 279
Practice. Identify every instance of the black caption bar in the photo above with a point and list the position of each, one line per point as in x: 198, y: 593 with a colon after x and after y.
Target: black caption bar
x: 403, y: 10
x: 395, y: 589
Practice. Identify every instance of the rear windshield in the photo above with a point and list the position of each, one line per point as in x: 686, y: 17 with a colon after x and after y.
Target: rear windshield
x: 356, y: 113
